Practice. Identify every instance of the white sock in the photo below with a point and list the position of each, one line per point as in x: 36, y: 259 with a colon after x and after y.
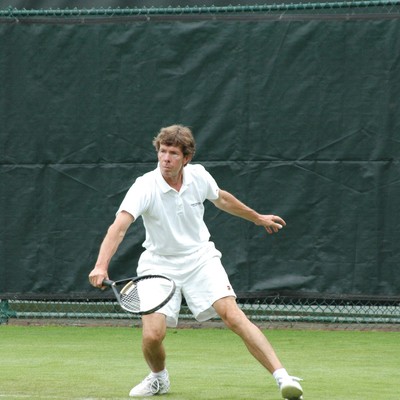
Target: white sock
x: 161, y: 374
x: 280, y: 374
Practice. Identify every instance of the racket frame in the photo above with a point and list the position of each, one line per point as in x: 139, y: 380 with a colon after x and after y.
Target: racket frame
x: 129, y: 281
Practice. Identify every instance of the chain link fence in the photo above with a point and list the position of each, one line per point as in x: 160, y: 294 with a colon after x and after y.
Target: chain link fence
x: 268, y: 311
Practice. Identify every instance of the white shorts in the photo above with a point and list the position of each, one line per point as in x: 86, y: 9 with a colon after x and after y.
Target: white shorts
x: 199, y: 277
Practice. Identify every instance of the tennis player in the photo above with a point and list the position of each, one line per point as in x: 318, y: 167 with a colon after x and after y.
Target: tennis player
x: 170, y: 201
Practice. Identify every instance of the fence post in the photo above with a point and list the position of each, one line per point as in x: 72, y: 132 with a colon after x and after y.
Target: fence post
x: 5, y: 312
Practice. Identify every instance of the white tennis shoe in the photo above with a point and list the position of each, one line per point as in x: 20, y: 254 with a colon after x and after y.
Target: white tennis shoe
x: 290, y: 388
x: 151, y: 386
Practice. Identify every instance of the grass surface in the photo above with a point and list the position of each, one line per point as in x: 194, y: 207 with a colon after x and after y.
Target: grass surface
x: 104, y: 363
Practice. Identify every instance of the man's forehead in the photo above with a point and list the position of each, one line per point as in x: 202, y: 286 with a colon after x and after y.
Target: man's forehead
x: 170, y: 147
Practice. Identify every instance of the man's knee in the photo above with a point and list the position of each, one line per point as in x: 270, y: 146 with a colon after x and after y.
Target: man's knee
x: 154, y: 329
x: 230, y: 313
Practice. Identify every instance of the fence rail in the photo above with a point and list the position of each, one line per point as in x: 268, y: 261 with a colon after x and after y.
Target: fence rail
x: 382, y: 6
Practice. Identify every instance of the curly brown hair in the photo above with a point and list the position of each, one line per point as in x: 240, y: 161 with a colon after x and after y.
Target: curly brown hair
x: 178, y: 136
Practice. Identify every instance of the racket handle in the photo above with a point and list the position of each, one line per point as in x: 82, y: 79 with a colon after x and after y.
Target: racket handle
x: 108, y: 282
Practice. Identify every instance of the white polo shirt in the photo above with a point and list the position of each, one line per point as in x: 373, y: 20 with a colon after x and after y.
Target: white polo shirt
x: 173, y: 220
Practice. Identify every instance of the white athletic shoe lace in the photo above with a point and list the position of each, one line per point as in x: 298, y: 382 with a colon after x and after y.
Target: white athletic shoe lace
x: 154, y: 385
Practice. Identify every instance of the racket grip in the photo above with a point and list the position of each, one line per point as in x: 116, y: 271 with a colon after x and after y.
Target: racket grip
x: 107, y: 282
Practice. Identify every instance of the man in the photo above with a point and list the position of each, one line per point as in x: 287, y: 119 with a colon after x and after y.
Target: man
x: 170, y: 201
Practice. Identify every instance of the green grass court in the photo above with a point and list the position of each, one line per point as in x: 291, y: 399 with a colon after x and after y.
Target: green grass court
x: 54, y: 362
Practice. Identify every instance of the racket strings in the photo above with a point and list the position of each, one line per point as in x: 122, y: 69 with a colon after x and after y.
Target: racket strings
x: 146, y: 294
x: 130, y: 299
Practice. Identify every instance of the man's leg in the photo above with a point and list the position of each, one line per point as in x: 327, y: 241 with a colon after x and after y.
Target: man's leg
x: 253, y: 338
x: 258, y: 345
x: 153, y: 333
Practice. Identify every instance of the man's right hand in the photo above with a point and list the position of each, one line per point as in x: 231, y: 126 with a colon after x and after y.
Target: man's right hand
x: 97, y: 276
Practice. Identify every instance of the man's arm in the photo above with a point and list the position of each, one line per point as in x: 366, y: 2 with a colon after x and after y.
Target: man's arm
x: 230, y: 204
x: 115, y: 234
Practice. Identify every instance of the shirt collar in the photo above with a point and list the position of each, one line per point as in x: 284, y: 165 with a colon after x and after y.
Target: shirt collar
x: 187, y: 179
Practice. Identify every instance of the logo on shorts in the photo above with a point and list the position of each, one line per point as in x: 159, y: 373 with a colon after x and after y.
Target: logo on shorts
x: 229, y: 288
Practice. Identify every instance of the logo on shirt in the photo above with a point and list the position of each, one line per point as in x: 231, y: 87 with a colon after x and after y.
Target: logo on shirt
x: 196, y: 204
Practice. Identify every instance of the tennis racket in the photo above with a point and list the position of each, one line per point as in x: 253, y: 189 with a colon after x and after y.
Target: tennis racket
x: 144, y: 294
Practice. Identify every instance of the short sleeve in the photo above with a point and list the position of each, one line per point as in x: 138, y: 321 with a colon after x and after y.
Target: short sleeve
x: 212, y: 187
x: 137, y: 198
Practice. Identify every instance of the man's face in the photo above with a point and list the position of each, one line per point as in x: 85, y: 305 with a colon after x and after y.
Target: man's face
x: 171, y: 161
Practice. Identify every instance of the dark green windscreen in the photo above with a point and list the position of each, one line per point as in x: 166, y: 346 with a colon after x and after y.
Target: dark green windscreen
x: 295, y: 117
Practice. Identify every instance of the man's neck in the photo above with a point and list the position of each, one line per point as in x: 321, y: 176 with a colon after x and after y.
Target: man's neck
x: 175, y: 182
